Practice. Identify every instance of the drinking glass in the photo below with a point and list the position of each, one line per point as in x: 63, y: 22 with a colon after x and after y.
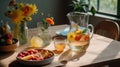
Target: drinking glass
x: 43, y: 37
x: 59, y: 44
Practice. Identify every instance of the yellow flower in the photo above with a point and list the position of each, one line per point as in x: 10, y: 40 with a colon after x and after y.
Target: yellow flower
x: 34, y: 9
x: 71, y: 36
x: 78, y: 31
x: 17, y: 16
x: 28, y: 18
x: 29, y: 9
x: 21, y: 12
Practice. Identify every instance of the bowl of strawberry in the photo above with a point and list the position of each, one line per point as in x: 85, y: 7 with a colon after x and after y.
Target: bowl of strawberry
x: 35, y: 56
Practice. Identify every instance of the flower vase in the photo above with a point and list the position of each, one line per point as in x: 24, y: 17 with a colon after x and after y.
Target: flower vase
x: 44, y: 33
x: 21, y: 33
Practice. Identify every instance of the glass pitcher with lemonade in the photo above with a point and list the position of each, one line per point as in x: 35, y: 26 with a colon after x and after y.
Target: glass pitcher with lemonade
x: 80, y: 31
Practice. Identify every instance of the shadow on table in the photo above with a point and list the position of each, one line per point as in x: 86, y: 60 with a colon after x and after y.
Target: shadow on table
x: 70, y: 55
x: 17, y: 64
x: 4, y: 55
x: 110, y: 51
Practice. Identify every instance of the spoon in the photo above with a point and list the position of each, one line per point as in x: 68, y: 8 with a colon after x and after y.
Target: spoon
x: 63, y: 62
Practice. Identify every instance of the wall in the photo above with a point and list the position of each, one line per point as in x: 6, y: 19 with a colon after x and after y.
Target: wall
x: 56, y: 9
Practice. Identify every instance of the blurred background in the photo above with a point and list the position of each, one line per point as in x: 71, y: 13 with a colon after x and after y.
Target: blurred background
x: 54, y: 8
x: 59, y: 8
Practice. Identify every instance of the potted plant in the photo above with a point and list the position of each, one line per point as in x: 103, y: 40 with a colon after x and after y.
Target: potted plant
x: 81, y: 6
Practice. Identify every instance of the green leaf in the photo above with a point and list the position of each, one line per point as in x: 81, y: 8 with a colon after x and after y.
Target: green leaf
x: 84, y: 31
x: 93, y: 10
x: 45, y: 24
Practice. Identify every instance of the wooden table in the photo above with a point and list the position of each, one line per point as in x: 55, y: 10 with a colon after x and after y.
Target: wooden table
x: 101, y: 51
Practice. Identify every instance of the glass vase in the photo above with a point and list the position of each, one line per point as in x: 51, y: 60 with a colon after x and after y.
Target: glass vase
x: 44, y: 33
x: 21, y: 33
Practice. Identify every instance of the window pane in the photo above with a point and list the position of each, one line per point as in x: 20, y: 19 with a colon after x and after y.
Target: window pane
x: 93, y: 3
x: 108, y: 6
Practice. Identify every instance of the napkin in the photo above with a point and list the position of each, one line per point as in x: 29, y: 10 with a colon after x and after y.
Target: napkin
x: 63, y: 32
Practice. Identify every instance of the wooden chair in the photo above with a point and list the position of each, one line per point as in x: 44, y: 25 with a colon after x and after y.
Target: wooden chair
x: 108, y: 28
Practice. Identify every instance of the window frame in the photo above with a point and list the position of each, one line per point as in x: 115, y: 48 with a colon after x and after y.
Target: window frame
x: 118, y: 9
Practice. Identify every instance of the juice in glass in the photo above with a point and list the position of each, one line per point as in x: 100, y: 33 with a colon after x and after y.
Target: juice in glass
x: 59, y: 44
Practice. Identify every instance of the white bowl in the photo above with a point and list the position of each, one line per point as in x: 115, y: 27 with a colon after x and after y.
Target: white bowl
x: 36, y: 62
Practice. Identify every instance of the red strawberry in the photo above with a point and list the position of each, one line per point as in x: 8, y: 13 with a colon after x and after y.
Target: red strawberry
x: 77, y: 37
x: 87, y: 37
x: 9, y: 41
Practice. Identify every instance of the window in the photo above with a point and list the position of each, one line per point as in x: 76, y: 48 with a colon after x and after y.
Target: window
x: 108, y: 7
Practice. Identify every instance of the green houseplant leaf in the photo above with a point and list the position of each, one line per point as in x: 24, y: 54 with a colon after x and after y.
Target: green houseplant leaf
x: 81, y: 6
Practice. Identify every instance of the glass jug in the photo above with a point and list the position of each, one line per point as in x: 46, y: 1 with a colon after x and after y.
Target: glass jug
x: 80, y: 31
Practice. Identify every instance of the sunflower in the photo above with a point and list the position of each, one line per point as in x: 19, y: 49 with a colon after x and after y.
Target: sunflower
x: 28, y: 18
x: 16, y: 16
x: 29, y: 9
x: 34, y: 9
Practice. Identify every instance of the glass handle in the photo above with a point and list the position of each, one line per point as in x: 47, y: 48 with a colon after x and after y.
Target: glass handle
x: 90, y: 26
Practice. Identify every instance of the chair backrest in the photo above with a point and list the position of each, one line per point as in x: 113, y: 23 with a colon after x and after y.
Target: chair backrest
x: 108, y: 28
